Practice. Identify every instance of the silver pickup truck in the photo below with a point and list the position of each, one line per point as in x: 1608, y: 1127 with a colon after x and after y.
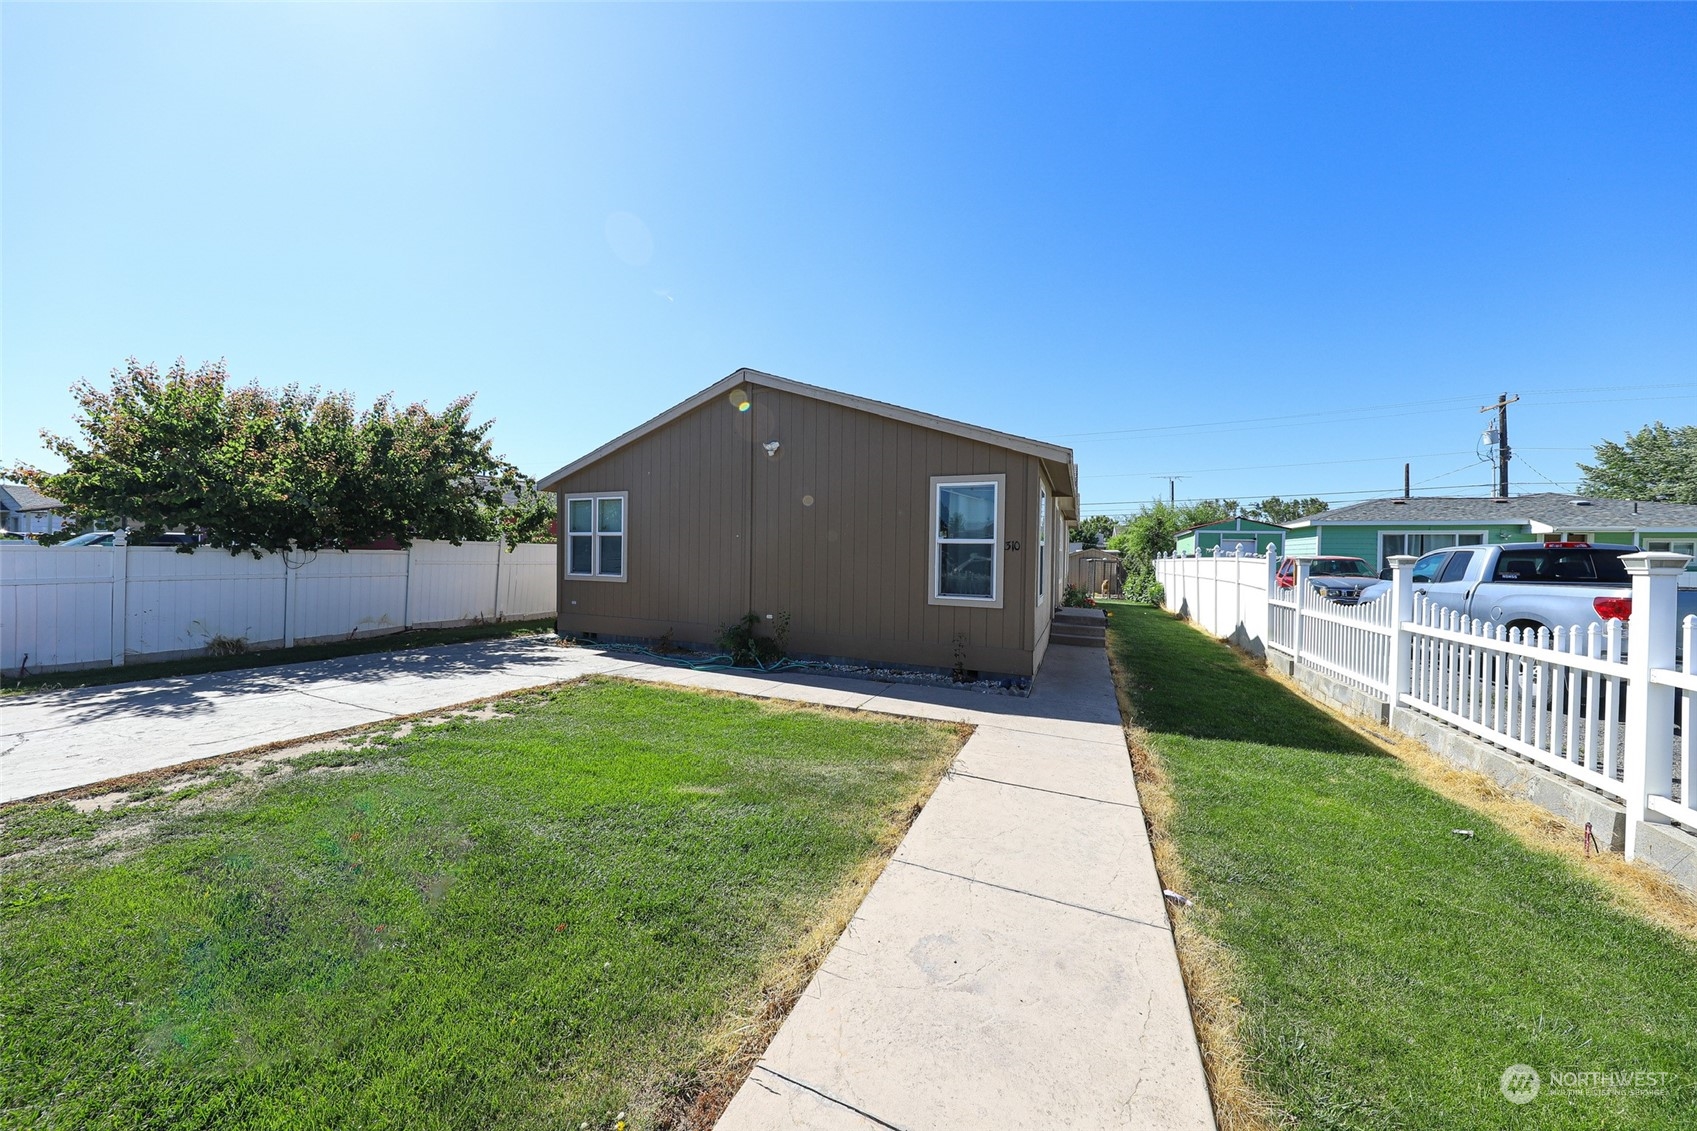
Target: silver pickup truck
x: 1530, y: 584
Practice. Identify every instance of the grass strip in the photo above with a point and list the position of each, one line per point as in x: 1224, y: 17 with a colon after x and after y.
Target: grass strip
x: 1386, y: 970
x: 582, y: 907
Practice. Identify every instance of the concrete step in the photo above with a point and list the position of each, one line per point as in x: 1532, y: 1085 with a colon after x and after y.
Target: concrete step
x: 1068, y: 634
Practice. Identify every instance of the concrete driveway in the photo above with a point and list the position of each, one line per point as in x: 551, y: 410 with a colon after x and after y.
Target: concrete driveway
x: 58, y: 740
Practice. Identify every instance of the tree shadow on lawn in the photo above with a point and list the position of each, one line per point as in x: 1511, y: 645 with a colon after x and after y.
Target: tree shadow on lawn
x: 1224, y: 697
x: 191, y: 695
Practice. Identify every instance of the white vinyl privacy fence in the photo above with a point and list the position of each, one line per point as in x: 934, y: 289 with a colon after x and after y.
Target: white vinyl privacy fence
x: 93, y: 606
x: 1576, y: 701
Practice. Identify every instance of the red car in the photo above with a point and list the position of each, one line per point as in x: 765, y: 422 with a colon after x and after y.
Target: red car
x: 1339, y: 579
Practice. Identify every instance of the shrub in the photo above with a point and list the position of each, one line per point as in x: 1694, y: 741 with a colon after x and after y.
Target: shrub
x: 747, y: 650
x: 1141, y: 586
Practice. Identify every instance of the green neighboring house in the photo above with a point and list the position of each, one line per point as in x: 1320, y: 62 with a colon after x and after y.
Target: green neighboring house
x: 1230, y: 536
x: 1377, y: 529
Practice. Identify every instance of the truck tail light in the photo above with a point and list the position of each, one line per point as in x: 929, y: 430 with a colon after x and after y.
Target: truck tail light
x: 1613, y: 608
x: 1568, y: 545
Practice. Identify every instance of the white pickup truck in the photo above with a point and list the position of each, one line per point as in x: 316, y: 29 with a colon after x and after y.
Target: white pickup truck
x: 1530, y: 584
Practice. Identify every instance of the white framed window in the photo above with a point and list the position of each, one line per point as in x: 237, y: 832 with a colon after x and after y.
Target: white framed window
x: 1042, y: 544
x: 596, y: 536
x: 1419, y: 545
x: 1689, y: 549
x: 966, y: 540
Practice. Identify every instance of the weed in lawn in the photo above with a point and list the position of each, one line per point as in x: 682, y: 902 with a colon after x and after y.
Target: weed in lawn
x: 1388, y: 970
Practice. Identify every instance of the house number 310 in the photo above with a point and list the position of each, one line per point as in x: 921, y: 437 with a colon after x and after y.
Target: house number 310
x: 1011, y: 545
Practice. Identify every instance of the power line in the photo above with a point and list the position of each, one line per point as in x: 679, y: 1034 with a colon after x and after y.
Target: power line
x: 1172, y: 484
x: 1357, y: 413
x: 1276, y: 466
x: 1534, y: 470
x: 1325, y: 495
x: 1457, y: 471
x: 1308, y: 463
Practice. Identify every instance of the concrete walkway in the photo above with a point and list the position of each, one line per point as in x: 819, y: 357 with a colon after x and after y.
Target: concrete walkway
x: 1013, y: 966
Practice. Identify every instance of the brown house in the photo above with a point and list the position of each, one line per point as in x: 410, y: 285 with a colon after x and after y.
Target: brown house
x: 887, y: 535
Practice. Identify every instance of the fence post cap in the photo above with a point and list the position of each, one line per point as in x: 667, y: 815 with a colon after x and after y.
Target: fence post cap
x: 1399, y: 561
x: 1654, y: 562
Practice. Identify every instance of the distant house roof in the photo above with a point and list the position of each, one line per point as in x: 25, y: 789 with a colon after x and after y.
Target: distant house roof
x: 22, y: 497
x: 1237, y: 522
x: 1548, y: 511
x: 1061, y: 468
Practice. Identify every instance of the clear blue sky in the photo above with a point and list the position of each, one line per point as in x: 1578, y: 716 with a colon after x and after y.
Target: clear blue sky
x: 1154, y: 221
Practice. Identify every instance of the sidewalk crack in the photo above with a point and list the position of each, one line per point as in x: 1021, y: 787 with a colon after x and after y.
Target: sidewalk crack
x: 1040, y: 789
x: 833, y: 1099
x: 1034, y: 895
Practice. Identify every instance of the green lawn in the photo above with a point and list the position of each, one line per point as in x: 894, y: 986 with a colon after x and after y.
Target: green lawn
x: 196, y: 665
x: 1389, y: 970
x: 534, y: 921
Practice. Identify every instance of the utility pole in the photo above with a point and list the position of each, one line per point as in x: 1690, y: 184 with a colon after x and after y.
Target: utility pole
x: 1503, y: 451
x: 1172, y: 487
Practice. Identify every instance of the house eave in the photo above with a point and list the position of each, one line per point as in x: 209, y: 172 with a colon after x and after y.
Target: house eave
x: 1057, y: 460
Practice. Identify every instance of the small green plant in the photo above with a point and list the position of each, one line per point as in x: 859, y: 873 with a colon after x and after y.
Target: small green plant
x: 1076, y: 597
x: 748, y: 650
x: 227, y: 646
x: 1141, y: 586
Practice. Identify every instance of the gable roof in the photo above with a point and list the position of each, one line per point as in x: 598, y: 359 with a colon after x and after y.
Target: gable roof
x: 23, y: 497
x: 1236, y: 522
x: 1057, y: 460
x: 1544, y: 512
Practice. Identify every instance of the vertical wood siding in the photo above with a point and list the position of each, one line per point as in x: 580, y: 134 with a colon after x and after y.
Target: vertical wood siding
x: 718, y: 528
x: 686, y: 549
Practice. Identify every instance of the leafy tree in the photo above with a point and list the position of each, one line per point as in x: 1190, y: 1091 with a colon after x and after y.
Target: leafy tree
x: 1656, y: 464
x: 1154, y: 531
x: 1096, y: 528
x: 257, y: 469
x: 1280, y: 511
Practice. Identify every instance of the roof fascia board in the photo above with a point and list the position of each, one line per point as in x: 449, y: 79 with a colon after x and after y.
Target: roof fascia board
x: 549, y: 481
x: 1051, y: 453
x: 1054, y: 453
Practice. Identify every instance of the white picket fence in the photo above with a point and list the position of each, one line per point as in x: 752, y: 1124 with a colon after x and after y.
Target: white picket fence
x: 1578, y: 702
x: 91, y: 606
x: 1555, y: 698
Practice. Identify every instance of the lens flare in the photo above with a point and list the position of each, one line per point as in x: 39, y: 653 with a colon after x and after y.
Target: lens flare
x: 739, y: 400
